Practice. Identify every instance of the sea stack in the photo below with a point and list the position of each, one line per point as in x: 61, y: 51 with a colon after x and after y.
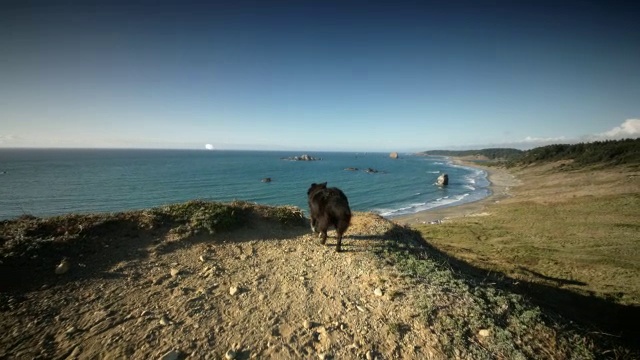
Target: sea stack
x: 393, y: 155
x: 443, y: 180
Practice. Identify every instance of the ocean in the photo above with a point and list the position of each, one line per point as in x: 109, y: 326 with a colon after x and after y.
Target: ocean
x: 47, y: 182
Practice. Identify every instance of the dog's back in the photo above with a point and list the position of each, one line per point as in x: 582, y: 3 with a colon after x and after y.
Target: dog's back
x: 338, y: 209
x: 329, y: 207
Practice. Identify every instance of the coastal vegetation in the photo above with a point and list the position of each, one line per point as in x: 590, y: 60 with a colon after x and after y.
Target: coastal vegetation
x: 568, y: 237
x: 46, y: 240
x: 598, y: 153
x: 472, y: 316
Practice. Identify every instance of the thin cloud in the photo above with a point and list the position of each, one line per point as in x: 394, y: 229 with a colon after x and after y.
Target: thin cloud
x: 531, y: 142
x: 539, y: 140
x: 6, y: 139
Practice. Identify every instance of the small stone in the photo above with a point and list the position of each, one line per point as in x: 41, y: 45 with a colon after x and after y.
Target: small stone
x: 306, y: 324
x: 369, y: 355
x: 377, y: 292
x: 203, y: 258
x: 164, y: 320
x: 174, y: 272
x: 484, y: 332
x: 360, y: 308
x: 63, y: 267
x: 230, y: 354
x: 71, y: 330
x: 171, y: 355
x: 233, y: 290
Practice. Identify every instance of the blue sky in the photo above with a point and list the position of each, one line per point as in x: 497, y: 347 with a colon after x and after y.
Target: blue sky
x: 296, y: 75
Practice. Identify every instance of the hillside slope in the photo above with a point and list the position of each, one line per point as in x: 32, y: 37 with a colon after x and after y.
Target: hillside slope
x: 206, y: 280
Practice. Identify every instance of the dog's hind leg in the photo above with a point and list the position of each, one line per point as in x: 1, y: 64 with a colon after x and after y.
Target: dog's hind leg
x: 323, y: 236
x: 341, y: 227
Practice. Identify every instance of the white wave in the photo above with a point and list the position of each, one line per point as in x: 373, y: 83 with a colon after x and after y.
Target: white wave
x: 417, y: 207
x: 399, y: 211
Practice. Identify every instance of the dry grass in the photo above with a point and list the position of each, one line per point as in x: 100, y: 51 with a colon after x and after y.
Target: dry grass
x: 570, y: 239
x: 590, y: 245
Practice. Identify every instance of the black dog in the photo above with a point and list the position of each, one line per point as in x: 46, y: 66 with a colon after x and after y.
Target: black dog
x: 328, y: 207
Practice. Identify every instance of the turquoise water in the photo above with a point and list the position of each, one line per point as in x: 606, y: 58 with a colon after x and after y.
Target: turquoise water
x: 52, y: 182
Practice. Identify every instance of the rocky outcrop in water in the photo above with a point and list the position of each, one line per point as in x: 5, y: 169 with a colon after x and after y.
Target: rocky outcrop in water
x: 303, y: 157
x: 443, y: 180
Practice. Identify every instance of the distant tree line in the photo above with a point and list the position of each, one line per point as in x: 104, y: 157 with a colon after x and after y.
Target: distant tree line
x: 601, y: 153
x: 605, y: 153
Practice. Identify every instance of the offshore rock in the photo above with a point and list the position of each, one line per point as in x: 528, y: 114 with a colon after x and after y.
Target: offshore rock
x: 304, y: 157
x: 443, y: 180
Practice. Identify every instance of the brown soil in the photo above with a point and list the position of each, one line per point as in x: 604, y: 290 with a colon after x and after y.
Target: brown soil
x: 147, y: 294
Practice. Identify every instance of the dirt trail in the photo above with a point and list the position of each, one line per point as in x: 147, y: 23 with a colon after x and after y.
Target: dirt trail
x: 264, y: 291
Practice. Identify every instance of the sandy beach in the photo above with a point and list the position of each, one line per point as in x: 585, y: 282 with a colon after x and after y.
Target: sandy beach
x: 501, y: 182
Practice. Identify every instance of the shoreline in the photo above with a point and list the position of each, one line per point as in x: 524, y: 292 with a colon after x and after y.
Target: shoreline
x: 500, y: 183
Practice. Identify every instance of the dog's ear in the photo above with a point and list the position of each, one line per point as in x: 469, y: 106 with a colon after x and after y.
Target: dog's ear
x: 323, y: 185
x: 314, y: 185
